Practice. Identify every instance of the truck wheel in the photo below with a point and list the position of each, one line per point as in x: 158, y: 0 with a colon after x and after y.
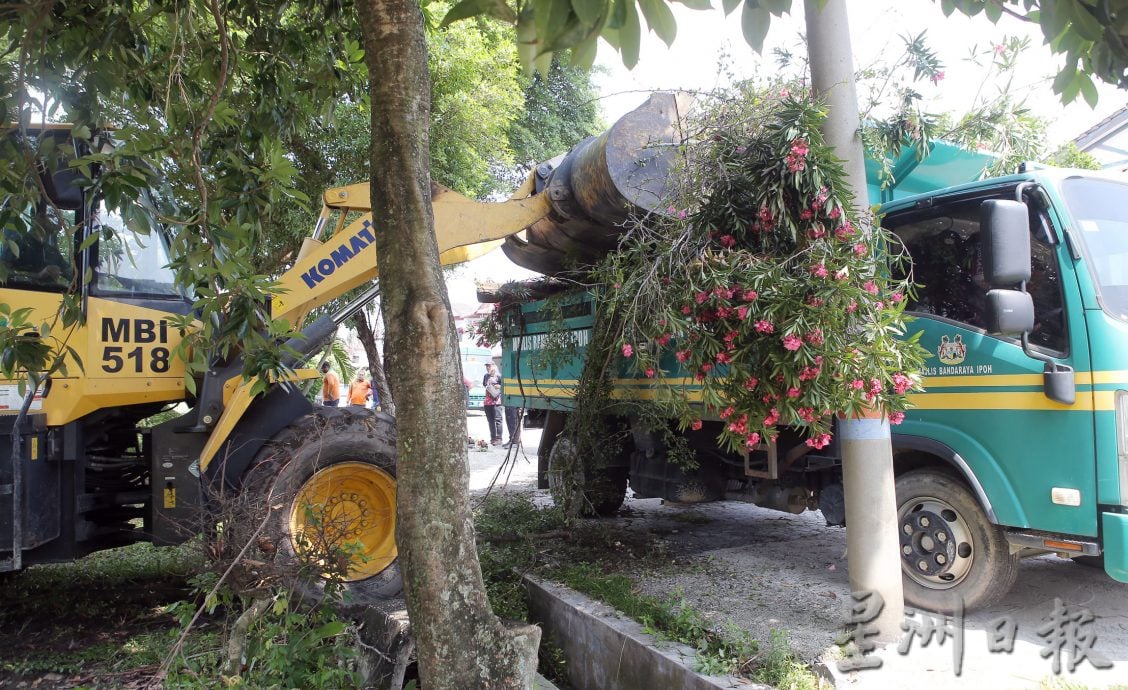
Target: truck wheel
x: 329, y: 484
x: 580, y: 490
x: 949, y: 550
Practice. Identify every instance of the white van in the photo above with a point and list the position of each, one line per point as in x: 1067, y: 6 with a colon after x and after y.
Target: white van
x: 474, y: 360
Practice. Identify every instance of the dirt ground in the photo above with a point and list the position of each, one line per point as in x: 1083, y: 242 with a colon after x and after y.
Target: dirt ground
x: 763, y: 570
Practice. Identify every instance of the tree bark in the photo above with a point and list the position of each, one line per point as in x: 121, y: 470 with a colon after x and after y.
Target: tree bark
x: 367, y: 336
x: 460, y: 643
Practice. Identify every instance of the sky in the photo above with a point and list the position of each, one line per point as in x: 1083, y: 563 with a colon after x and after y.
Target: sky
x: 706, y: 40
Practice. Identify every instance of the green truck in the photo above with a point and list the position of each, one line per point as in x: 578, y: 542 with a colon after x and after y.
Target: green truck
x: 1017, y: 446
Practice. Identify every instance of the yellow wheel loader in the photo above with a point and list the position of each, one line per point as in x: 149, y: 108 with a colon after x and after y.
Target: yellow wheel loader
x: 88, y: 476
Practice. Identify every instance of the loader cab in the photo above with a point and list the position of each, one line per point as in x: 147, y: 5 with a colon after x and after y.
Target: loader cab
x: 68, y: 230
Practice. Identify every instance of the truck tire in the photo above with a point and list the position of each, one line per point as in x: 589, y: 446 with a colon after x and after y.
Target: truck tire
x: 590, y: 493
x: 330, y: 478
x: 950, y: 551
x: 553, y: 425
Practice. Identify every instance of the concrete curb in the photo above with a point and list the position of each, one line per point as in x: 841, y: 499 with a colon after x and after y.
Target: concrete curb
x: 605, y: 651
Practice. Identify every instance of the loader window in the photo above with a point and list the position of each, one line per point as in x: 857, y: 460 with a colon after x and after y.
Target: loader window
x: 37, y: 252
x: 947, y: 269
x: 130, y: 263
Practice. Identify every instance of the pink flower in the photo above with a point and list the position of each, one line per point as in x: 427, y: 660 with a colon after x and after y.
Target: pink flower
x: 819, y: 270
x: 728, y: 241
x: 686, y: 310
x: 814, y: 302
x: 799, y: 148
x: 809, y: 373
x: 764, y: 326
x: 875, y: 387
x: 784, y: 93
x: 696, y: 425
x: 751, y: 383
x: 815, y: 337
x: 901, y: 383
x: 681, y: 215
x: 627, y: 350
x: 870, y: 287
x: 793, y: 392
x: 792, y: 342
x: 701, y: 297
x: 727, y: 412
x: 896, y: 417
x: 671, y: 210
x: 806, y: 214
x: 817, y: 233
x: 772, y: 418
x: 752, y: 440
x: 834, y: 213
x: 844, y: 230
x: 822, y: 195
x: 726, y: 293
x: 750, y: 295
x: 938, y: 77
x: 731, y: 336
x: 807, y: 414
x: 706, y: 368
x: 682, y: 355
x: 857, y: 384
x: 742, y: 313
x: 617, y: 285
x: 852, y: 307
x: 860, y: 249
x: 821, y: 441
x: 897, y: 297
x: 649, y: 372
x: 664, y: 338
x: 723, y: 358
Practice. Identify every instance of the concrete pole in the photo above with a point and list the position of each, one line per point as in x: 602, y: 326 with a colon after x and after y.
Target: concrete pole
x: 873, y: 549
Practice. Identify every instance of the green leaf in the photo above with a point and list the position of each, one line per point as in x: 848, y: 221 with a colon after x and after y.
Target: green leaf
x: 1088, y: 89
x: 730, y: 5
x: 994, y: 12
x: 630, y: 36
x: 331, y: 629
x: 660, y: 19
x: 472, y: 8
x: 754, y: 22
x: 697, y: 4
x: 583, y: 55
x: 1084, y: 23
x: 589, y: 11
x: 776, y: 7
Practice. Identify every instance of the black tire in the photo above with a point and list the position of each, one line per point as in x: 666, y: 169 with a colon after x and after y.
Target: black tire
x: 590, y: 493
x: 553, y: 425
x: 950, y: 551
x: 332, y: 471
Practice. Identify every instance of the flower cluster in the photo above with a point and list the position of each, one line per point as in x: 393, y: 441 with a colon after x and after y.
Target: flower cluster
x: 764, y: 294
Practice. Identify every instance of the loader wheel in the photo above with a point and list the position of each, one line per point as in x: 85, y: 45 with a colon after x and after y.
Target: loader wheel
x: 950, y: 551
x: 329, y: 484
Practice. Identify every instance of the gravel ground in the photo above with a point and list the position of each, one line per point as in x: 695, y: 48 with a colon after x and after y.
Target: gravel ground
x: 763, y: 570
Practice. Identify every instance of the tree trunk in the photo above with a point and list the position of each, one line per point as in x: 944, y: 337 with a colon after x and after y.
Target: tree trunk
x: 459, y: 641
x: 367, y: 337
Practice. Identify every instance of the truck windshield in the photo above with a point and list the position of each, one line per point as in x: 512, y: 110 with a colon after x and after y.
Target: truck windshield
x: 1100, y: 211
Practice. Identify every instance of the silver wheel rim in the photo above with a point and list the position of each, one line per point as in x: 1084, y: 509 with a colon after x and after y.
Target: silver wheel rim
x: 937, y: 548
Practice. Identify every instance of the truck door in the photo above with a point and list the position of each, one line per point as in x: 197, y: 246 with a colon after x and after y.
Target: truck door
x: 984, y: 403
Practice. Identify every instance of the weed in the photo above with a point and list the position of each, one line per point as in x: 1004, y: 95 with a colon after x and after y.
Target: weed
x: 780, y: 668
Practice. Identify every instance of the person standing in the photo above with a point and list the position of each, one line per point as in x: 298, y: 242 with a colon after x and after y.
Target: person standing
x: 513, y: 425
x: 359, y: 391
x: 330, y: 386
x: 492, y: 383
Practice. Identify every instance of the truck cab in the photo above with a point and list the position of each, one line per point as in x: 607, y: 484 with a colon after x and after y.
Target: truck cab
x: 1032, y: 422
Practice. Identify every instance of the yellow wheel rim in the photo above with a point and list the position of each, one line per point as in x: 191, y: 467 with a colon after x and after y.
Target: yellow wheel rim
x: 347, y: 513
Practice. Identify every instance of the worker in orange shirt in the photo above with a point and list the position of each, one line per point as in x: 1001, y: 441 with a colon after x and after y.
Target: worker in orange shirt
x: 359, y: 390
x: 330, y: 387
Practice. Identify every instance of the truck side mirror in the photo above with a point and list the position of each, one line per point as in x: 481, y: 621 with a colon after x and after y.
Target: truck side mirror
x: 1009, y: 312
x: 1005, y: 229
